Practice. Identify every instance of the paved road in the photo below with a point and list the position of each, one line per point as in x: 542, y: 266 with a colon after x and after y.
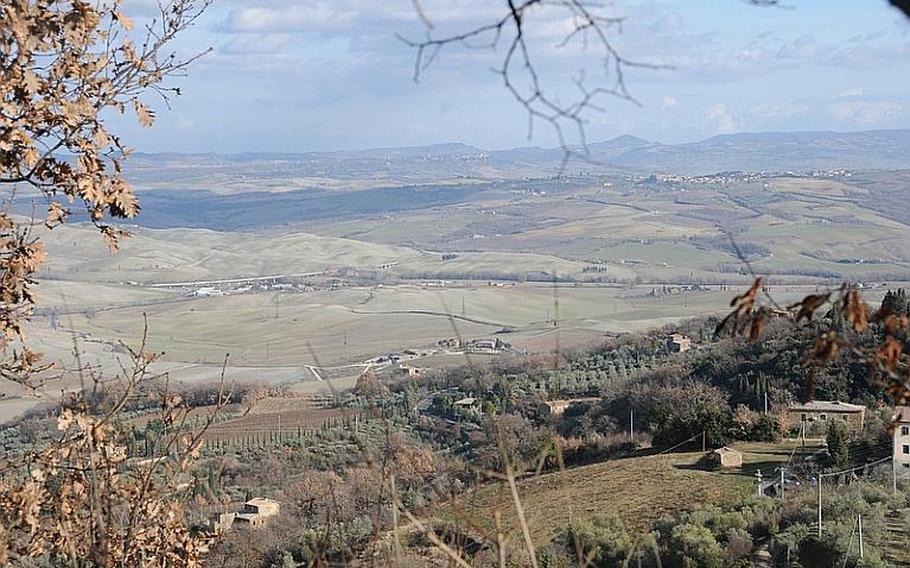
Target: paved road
x: 233, y: 280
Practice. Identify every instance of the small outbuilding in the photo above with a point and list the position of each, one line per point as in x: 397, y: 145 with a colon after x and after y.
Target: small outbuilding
x: 726, y: 457
x: 678, y: 343
x: 257, y: 511
x: 411, y: 372
x: 558, y: 407
x: 469, y: 404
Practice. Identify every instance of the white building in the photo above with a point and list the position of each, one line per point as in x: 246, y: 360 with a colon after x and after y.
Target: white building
x: 902, y: 439
x: 206, y: 291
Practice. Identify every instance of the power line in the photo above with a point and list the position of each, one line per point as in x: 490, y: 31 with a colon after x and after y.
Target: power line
x: 856, y: 468
x: 679, y: 444
x: 821, y: 476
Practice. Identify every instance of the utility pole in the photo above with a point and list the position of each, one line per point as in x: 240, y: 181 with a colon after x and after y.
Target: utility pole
x: 782, y: 482
x: 703, y: 442
x: 766, y: 403
x: 279, y: 428
x: 631, y: 427
x: 893, y: 475
x: 818, y: 485
x: 859, y: 519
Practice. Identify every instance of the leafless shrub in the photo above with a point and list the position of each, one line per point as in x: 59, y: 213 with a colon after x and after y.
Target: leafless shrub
x: 63, y: 65
x: 82, y: 498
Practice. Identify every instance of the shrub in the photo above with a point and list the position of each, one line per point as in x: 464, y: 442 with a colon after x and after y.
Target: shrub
x: 692, y: 546
x: 739, y: 546
x: 766, y: 429
x: 605, y: 541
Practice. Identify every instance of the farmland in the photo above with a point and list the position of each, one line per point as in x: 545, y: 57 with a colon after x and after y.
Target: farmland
x: 548, y: 263
x: 274, y: 426
x: 351, y: 325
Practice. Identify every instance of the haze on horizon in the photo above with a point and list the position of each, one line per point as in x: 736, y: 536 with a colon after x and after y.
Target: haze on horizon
x: 308, y: 76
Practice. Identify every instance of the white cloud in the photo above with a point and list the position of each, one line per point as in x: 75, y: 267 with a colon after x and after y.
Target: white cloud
x: 335, y: 69
x: 865, y: 113
x: 721, y: 118
x: 778, y: 111
x: 312, y: 16
x: 259, y: 44
x: 804, y: 47
x: 183, y: 123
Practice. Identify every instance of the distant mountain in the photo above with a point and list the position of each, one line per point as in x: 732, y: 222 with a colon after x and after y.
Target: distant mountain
x: 553, y: 156
x: 773, y: 151
x: 257, y: 189
x: 619, y: 145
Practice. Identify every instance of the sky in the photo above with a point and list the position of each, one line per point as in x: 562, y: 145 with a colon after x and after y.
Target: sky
x: 300, y: 75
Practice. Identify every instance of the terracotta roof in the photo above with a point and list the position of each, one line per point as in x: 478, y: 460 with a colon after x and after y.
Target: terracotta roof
x: 827, y: 406
x: 901, y: 414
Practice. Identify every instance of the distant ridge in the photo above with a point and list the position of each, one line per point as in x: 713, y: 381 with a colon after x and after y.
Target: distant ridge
x: 775, y: 151
x: 770, y: 151
x: 258, y: 189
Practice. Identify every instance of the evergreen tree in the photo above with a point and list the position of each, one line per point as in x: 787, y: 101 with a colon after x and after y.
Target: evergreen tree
x: 896, y: 302
x: 838, y: 442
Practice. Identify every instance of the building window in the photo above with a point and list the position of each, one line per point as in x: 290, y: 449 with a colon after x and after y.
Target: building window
x: 905, y: 430
x: 906, y: 449
x: 804, y: 416
x: 907, y: 465
x: 823, y: 417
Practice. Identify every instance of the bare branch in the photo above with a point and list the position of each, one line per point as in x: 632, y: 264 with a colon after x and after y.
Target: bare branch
x: 519, y: 72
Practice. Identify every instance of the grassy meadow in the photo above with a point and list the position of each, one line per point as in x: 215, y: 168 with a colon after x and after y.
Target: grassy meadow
x: 638, y: 489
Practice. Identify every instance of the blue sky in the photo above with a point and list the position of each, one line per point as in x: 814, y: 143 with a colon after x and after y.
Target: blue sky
x: 304, y: 75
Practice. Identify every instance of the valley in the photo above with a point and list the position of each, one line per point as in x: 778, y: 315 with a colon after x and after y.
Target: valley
x: 286, y: 278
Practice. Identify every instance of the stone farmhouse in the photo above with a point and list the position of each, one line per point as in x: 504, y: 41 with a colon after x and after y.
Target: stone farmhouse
x: 678, y: 343
x: 255, y: 513
x: 816, y: 415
